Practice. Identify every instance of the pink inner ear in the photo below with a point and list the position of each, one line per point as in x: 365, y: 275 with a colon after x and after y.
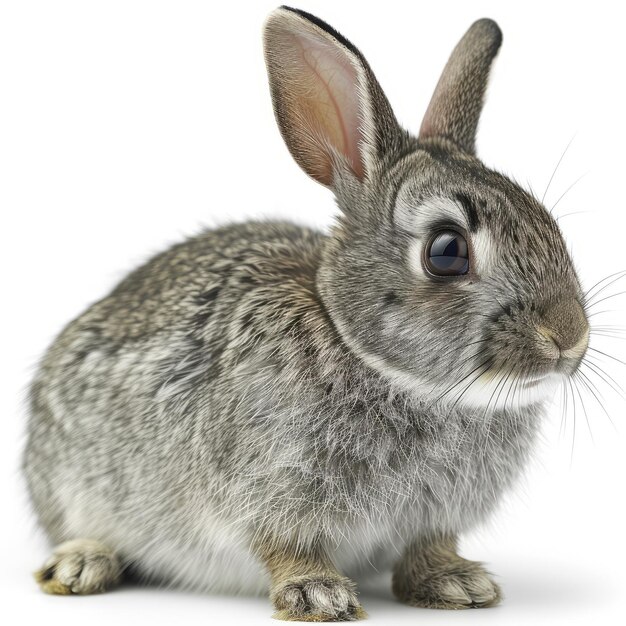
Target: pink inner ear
x: 330, y: 95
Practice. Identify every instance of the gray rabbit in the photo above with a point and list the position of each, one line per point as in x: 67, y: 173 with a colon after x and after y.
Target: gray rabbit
x: 266, y: 406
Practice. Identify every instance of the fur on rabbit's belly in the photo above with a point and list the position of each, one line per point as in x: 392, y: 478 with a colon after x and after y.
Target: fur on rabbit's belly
x: 367, y: 527
x: 365, y: 524
x: 362, y: 545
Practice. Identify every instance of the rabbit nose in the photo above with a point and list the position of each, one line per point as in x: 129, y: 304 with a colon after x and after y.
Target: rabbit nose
x: 565, y: 330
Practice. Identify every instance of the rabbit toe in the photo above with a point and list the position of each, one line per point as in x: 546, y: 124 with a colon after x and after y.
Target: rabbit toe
x: 317, y: 599
x: 461, y: 589
x: 81, y: 566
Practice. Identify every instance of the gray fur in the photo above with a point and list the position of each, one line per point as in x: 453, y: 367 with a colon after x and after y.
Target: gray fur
x: 263, y: 388
x: 455, y: 107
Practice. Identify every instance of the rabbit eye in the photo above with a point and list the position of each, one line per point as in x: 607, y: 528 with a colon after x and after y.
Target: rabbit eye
x: 447, y: 254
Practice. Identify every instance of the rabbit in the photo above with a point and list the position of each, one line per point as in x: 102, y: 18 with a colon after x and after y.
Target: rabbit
x: 269, y: 408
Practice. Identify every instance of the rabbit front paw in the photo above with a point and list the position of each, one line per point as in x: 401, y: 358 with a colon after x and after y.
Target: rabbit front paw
x: 464, y: 587
x: 314, y: 598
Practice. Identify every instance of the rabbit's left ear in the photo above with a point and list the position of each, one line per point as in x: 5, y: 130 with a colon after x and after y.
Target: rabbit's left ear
x: 329, y: 107
x: 455, y: 107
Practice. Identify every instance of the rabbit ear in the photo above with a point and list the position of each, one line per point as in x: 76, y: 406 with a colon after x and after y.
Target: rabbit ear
x: 455, y: 107
x: 329, y: 107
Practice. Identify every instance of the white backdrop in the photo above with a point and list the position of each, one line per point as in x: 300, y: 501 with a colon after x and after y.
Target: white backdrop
x: 125, y: 126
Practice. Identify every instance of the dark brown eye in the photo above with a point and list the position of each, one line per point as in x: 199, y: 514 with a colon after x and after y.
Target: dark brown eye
x: 446, y: 254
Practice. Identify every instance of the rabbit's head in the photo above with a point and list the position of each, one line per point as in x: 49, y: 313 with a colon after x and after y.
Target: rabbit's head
x: 440, y: 274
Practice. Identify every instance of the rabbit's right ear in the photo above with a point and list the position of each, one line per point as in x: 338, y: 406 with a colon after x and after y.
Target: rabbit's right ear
x: 329, y: 107
x: 455, y: 107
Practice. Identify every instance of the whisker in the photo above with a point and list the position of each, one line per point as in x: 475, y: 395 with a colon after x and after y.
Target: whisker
x: 573, y: 422
x: 618, y: 274
x: 506, y: 380
x: 560, y: 217
x: 606, y: 354
x: 600, y: 312
x: 603, y: 333
x: 613, y: 295
x: 501, y: 384
x: 465, y: 377
x: 596, y: 394
x: 597, y: 364
x: 513, y: 388
x: 563, y: 424
x: 582, y: 403
x: 545, y: 193
x: 493, y: 392
x: 593, y: 367
x: 616, y: 330
x: 470, y: 419
x: 565, y: 193
x: 486, y: 363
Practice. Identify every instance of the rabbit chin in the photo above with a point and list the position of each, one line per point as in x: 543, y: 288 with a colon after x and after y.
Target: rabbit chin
x: 494, y: 393
x: 509, y: 391
x: 489, y: 391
